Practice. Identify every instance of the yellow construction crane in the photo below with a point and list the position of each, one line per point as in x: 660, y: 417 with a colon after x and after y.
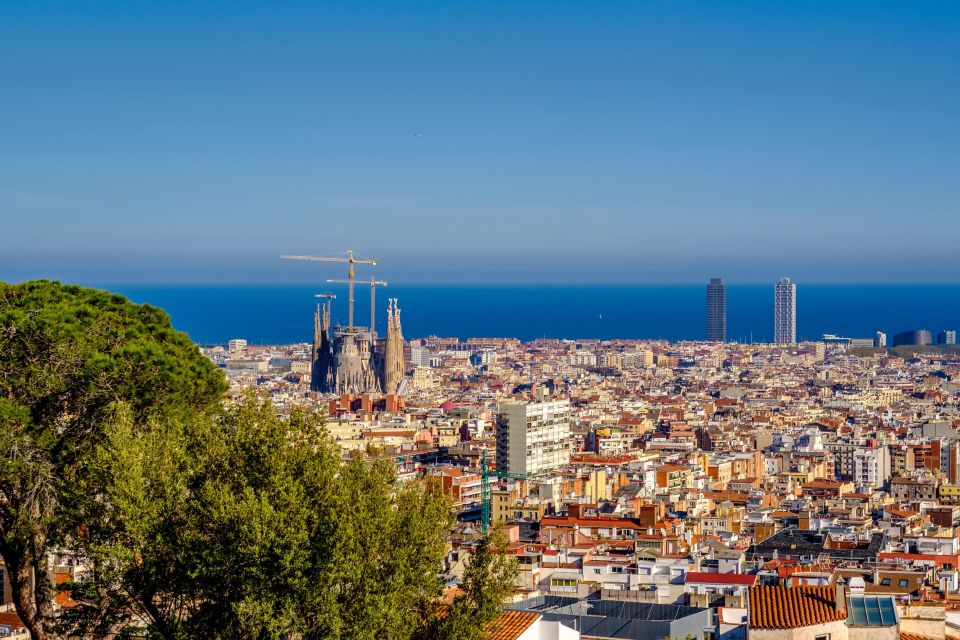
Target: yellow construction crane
x: 350, y: 260
x: 373, y: 299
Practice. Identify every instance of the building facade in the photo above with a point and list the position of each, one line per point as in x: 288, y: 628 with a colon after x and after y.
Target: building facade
x: 533, y: 437
x: 716, y: 310
x: 785, y: 312
x: 912, y: 338
x: 871, y: 467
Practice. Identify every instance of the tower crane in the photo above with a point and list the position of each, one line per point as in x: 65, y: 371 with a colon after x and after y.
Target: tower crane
x: 373, y: 298
x: 485, y: 494
x: 350, y: 260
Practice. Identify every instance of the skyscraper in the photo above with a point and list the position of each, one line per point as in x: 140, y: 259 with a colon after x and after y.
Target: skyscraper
x: 716, y: 311
x: 785, y: 312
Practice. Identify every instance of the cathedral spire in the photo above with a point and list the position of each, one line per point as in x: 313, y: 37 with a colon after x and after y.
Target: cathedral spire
x: 394, y: 365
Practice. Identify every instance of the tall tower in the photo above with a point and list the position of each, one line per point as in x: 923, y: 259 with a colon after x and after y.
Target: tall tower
x: 394, y: 365
x: 322, y: 360
x: 785, y: 312
x: 716, y: 311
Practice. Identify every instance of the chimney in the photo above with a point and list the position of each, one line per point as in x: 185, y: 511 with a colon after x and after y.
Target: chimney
x: 840, y: 591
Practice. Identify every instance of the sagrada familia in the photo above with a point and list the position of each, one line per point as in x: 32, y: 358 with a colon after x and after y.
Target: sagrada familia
x: 352, y: 360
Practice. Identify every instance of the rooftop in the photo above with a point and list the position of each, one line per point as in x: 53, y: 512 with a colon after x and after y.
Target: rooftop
x: 793, y: 607
x: 612, y: 618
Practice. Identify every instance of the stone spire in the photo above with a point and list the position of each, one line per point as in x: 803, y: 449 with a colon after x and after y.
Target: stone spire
x: 322, y: 360
x: 394, y: 365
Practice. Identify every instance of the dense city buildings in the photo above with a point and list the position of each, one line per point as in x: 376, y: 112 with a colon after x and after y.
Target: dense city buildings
x: 785, y: 312
x: 716, y: 310
x: 673, y: 488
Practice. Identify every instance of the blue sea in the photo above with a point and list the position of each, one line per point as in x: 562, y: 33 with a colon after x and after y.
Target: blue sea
x: 282, y: 314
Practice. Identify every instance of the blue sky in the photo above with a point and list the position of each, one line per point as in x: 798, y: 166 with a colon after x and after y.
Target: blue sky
x: 481, y: 141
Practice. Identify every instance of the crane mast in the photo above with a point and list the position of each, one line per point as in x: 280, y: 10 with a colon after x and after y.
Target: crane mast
x: 373, y: 299
x: 486, y: 494
x: 350, y: 260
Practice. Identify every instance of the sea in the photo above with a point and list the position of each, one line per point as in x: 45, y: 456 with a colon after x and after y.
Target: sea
x: 282, y: 313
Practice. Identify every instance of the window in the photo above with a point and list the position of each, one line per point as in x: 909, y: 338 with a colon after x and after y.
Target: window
x: 885, y: 582
x: 904, y: 582
x: 825, y: 636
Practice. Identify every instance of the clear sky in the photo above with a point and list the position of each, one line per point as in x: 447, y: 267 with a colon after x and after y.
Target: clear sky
x: 481, y: 141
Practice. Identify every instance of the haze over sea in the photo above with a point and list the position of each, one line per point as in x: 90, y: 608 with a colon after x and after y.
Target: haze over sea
x: 281, y: 314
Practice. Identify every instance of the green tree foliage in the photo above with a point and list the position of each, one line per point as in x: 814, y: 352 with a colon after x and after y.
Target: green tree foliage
x: 67, y: 354
x: 247, y: 526
x: 194, y: 519
x: 487, y: 582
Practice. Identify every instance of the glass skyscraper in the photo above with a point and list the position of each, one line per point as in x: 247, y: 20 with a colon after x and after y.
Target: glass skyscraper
x: 716, y: 311
x: 785, y: 312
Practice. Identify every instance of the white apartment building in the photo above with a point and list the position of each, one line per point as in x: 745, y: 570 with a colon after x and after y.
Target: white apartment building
x: 236, y: 345
x: 420, y: 356
x: 871, y: 466
x: 533, y: 437
x: 582, y: 359
x: 640, y: 359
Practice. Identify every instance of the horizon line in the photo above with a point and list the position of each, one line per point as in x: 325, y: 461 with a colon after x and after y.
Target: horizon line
x: 495, y: 283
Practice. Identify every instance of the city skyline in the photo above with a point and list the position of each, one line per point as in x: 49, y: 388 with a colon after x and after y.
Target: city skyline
x: 627, y: 143
x: 605, y: 412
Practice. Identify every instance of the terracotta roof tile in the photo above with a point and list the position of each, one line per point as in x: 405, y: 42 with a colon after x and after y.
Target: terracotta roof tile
x: 511, y: 624
x: 793, y: 607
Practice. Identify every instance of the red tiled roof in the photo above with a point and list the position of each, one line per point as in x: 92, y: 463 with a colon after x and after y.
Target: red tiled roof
x: 510, y: 625
x: 671, y: 468
x: 793, y: 607
x: 901, y: 513
x: 12, y: 620
x: 700, y: 577
x: 939, y: 560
